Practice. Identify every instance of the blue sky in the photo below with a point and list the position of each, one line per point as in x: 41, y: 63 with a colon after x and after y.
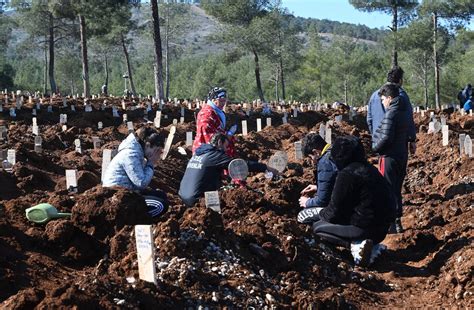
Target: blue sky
x: 338, y: 10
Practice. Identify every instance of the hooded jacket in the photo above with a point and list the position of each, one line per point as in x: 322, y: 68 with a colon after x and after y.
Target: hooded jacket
x: 361, y: 196
x: 390, y: 138
x: 376, y: 112
x: 127, y: 168
x: 203, y: 172
x: 326, y: 176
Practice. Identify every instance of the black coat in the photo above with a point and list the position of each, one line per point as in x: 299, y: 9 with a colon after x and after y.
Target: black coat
x: 360, y: 197
x: 390, y: 138
x: 203, y: 172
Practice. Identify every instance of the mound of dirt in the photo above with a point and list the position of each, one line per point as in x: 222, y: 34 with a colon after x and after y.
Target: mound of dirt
x: 253, y: 254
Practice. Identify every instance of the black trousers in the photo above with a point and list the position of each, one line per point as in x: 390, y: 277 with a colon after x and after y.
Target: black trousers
x: 394, y: 171
x: 156, y: 201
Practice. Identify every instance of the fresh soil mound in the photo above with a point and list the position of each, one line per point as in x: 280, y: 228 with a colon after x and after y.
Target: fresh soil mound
x: 253, y: 254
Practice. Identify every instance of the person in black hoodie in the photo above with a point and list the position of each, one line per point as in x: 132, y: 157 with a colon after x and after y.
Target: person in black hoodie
x: 391, y: 143
x: 362, y: 204
x: 204, y: 169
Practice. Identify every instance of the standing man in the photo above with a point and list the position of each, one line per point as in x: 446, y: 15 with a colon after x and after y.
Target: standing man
x: 212, y: 119
x: 376, y: 113
x: 391, y: 143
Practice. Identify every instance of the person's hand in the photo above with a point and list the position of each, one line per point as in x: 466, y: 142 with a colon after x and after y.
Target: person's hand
x: 412, y: 147
x: 232, y: 130
x: 309, y: 189
x: 302, y: 201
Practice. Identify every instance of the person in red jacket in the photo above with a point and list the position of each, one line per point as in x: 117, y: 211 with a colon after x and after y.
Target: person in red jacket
x: 211, y: 120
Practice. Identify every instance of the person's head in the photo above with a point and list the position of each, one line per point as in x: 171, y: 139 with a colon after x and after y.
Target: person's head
x: 149, y: 140
x: 312, y: 145
x: 395, y: 75
x: 388, y: 92
x: 218, y: 95
x: 346, y: 150
x: 220, y: 141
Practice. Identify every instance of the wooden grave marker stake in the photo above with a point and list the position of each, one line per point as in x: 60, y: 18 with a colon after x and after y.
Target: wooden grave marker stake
x: 144, y: 240
x: 169, y: 142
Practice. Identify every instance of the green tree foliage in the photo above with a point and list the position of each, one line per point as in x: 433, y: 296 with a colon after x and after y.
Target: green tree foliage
x: 247, y: 27
x: 401, y: 11
x: 455, y: 13
x: 6, y: 70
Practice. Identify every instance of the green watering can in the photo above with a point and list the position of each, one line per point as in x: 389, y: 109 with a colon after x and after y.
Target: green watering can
x: 44, y: 212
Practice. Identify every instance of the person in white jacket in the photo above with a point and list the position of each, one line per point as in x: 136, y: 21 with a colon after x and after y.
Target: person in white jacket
x: 133, y: 167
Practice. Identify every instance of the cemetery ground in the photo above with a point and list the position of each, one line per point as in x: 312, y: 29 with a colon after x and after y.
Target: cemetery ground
x: 253, y: 254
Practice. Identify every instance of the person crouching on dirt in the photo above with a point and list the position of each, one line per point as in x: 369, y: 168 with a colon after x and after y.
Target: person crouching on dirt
x: 315, y: 147
x: 128, y: 170
x: 204, y: 170
x: 211, y: 119
x: 362, y: 204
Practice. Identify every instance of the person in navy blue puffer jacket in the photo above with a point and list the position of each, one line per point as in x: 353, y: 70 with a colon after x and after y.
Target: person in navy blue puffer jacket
x: 315, y: 147
x: 391, y: 143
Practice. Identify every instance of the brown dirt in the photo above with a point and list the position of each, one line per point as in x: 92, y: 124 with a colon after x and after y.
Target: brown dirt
x: 254, y: 254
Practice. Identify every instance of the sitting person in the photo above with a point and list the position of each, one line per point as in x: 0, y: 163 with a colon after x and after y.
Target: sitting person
x: 315, y: 147
x: 204, y: 169
x: 127, y: 168
x: 362, y: 204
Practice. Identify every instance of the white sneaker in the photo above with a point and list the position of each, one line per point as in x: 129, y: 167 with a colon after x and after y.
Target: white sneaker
x: 361, y: 251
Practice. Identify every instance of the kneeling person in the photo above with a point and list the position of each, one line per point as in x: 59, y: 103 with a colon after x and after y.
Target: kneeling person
x: 362, y: 204
x: 127, y: 169
x: 204, y: 169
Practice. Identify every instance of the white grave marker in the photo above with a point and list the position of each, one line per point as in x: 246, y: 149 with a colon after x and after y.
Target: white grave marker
x: 12, y: 112
x: 96, y: 142
x: 115, y: 112
x: 468, y: 146
x: 73, y: 108
x: 145, y: 252
x: 181, y: 120
x: 100, y: 125
x: 259, y: 124
x: 269, y: 121
x: 445, y: 131
x: 77, y: 144
x: 11, y: 157
x: 278, y: 161
x: 462, y: 137
x: 189, y: 138
x: 328, y: 137
x: 125, y: 117
x: 169, y: 142
x: 244, y: 128
x: 106, y: 158
x: 129, y: 126
x: 322, y: 130
x: 298, y: 150
x: 238, y: 169
x: 38, y: 144
x: 212, y: 201
x: 431, y: 127
x: 71, y: 180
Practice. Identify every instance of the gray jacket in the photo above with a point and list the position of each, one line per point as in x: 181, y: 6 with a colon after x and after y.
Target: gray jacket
x: 127, y: 168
